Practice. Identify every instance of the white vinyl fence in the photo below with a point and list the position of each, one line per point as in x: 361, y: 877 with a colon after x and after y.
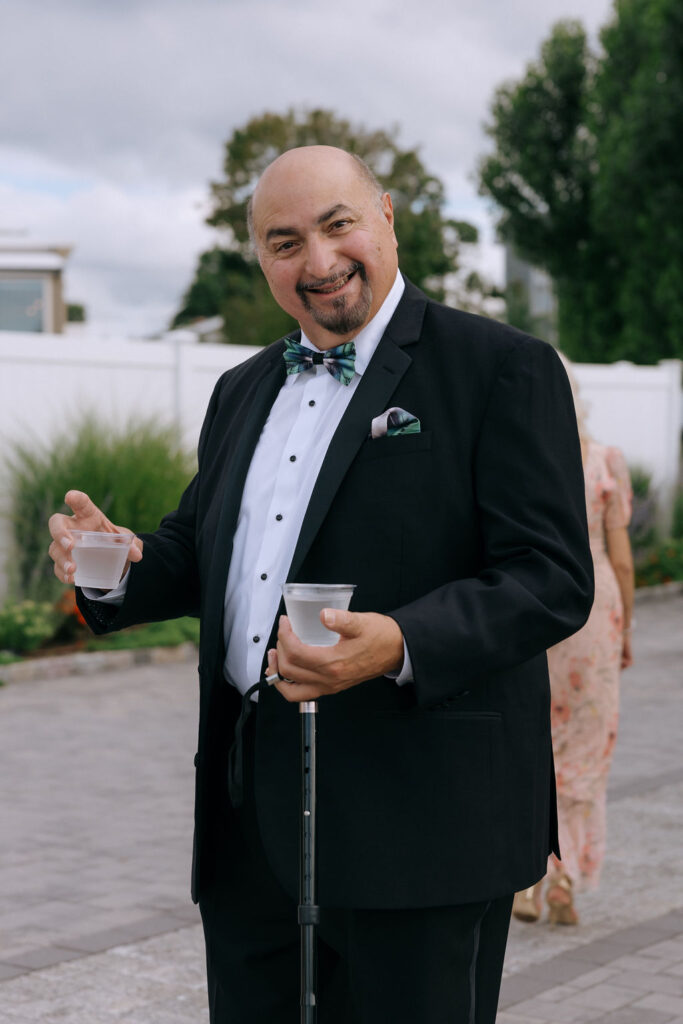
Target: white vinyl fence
x: 639, y: 409
x: 46, y: 380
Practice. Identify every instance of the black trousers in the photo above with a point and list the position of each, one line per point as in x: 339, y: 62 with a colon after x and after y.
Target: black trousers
x: 419, y: 966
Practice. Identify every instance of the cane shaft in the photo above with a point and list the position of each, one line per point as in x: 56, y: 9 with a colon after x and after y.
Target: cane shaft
x: 308, y: 908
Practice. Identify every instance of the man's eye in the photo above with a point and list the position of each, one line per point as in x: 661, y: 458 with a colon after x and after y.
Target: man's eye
x: 340, y: 224
x: 285, y: 247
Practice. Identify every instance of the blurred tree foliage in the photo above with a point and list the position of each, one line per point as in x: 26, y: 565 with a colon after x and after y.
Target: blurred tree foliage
x: 75, y: 313
x: 586, y: 172
x: 228, y: 280
x: 228, y: 284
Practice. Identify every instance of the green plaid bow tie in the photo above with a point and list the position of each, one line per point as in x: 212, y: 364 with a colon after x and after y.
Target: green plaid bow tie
x: 338, y: 361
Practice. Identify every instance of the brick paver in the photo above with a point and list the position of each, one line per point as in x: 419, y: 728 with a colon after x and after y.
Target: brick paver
x: 95, y: 921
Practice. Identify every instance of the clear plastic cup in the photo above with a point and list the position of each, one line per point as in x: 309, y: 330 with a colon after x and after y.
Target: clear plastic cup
x: 304, y: 603
x: 99, y: 557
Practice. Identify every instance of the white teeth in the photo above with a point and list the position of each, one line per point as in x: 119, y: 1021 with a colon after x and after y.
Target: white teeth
x: 333, y: 288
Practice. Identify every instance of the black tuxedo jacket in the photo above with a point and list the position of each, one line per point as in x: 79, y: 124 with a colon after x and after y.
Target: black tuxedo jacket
x: 472, y: 536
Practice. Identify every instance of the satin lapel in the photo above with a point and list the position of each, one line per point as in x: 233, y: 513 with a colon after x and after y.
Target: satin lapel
x: 380, y: 380
x: 263, y: 393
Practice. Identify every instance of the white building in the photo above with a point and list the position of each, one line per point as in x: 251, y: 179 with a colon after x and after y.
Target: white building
x: 31, y: 285
x: 535, y: 288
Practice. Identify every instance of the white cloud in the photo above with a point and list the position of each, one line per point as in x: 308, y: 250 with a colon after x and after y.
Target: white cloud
x: 134, y: 251
x: 119, y: 111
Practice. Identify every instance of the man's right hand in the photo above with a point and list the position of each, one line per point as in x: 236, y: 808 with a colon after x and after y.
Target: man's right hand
x: 86, y: 516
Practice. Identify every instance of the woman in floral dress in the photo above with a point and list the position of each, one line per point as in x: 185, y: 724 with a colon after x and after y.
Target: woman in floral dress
x: 584, y: 683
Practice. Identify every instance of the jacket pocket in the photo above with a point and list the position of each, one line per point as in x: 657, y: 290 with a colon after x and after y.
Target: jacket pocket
x: 398, y: 445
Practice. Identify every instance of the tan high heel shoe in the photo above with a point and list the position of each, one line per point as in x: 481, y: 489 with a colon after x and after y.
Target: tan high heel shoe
x: 526, y: 905
x: 560, y: 901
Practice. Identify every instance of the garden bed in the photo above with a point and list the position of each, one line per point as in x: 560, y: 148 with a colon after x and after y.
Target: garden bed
x: 38, y: 639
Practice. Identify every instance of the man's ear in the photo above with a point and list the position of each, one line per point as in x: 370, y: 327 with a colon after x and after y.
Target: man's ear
x: 388, y: 210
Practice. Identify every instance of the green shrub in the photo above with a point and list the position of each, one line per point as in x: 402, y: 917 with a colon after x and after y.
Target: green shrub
x: 135, y: 474
x: 663, y: 564
x: 677, y: 527
x: 25, y: 625
x: 642, y: 529
x: 640, y: 481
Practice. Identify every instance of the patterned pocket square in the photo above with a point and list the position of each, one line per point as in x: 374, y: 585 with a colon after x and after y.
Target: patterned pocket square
x: 393, y: 422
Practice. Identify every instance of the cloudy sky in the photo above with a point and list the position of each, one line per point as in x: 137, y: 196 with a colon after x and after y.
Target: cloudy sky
x: 114, y: 114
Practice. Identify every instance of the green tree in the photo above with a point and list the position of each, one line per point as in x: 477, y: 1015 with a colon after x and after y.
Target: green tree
x: 586, y: 174
x: 228, y: 281
x: 540, y: 173
x: 638, y: 190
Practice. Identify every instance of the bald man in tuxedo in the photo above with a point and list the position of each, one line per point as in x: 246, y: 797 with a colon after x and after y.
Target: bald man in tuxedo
x: 460, y: 517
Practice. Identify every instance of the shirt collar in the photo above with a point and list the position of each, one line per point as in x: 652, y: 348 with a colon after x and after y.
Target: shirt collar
x: 367, y: 340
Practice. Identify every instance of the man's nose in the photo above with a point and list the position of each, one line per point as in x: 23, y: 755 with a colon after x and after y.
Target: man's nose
x: 321, y: 257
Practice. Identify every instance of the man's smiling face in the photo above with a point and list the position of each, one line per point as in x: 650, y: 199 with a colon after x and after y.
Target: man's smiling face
x: 325, y: 242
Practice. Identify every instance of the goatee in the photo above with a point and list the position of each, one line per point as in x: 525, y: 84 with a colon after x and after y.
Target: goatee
x: 342, y: 318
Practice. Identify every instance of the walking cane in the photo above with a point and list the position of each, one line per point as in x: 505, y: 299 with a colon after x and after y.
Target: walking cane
x: 309, y: 911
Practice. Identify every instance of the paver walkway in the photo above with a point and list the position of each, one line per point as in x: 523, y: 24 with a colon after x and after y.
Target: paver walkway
x: 96, y: 791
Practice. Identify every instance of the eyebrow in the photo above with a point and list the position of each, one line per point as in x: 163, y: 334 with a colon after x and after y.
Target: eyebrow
x: 279, y: 233
x: 327, y: 215
x: 338, y: 208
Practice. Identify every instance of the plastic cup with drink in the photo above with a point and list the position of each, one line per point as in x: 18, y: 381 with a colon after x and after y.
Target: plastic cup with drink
x: 304, y: 603
x: 100, y: 558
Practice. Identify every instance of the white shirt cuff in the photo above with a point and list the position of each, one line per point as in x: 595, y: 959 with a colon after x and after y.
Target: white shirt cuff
x: 406, y: 673
x: 114, y: 596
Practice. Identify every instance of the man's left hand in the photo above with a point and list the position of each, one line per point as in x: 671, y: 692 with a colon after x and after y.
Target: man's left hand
x: 369, y: 646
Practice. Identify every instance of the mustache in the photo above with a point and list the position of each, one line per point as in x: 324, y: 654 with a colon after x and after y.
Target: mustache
x: 325, y: 282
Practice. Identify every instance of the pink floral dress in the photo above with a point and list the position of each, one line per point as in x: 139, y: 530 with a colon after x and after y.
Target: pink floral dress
x: 584, y: 683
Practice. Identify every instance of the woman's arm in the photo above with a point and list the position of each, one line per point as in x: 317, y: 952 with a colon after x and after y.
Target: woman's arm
x: 621, y: 559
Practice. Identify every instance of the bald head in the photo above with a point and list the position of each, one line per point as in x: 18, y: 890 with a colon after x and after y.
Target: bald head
x: 308, y: 159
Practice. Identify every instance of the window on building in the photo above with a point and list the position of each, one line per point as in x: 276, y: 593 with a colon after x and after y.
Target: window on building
x: 22, y: 303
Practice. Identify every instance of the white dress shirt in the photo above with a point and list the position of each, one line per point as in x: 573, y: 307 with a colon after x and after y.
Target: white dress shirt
x: 277, y: 490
